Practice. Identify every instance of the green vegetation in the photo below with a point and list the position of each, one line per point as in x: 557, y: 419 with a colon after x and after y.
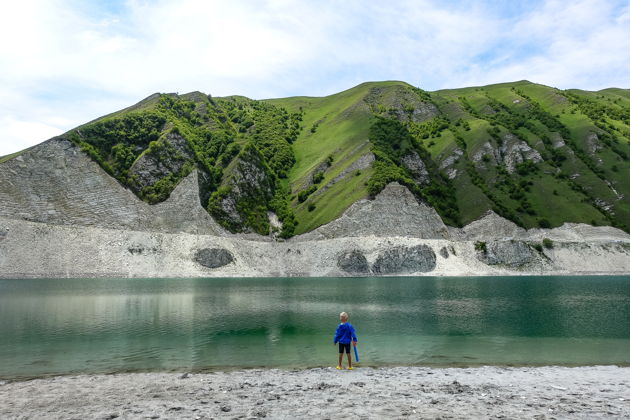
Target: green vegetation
x: 117, y: 142
x: 391, y: 141
x: 581, y: 161
x: 535, y: 155
x: 303, y: 195
x: 253, y: 199
x: 318, y: 177
x: 175, y: 134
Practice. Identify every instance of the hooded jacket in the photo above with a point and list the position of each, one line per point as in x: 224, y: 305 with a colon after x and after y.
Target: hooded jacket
x: 344, y: 334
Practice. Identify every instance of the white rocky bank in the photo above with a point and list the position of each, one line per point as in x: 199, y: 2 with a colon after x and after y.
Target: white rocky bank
x: 61, y: 215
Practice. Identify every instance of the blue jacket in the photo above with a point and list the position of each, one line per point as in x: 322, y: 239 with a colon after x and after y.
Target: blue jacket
x: 344, y: 334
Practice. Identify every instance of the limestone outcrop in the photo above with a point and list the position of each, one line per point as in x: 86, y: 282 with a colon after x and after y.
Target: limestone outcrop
x: 353, y: 262
x: 490, y: 226
x: 150, y: 168
x: 247, y: 181
x: 56, y: 183
x: 514, y: 151
x: 214, y: 257
x: 405, y: 260
x: 416, y: 167
x: 507, y: 253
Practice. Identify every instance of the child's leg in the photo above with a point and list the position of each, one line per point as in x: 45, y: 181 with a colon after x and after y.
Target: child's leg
x: 340, y: 359
x: 349, y: 360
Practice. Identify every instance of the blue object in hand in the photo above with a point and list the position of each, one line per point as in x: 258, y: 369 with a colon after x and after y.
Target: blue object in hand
x: 356, y: 354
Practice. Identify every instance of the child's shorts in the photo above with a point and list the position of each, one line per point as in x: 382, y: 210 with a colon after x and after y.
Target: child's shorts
x: 344, y: 346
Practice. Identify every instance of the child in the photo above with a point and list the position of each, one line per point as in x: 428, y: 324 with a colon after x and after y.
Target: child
x: 343, y: 336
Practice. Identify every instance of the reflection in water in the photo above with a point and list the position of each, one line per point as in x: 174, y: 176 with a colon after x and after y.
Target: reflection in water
x: 86, y: 325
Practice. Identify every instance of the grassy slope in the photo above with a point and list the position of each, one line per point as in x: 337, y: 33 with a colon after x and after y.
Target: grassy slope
x: 343, y: 125
x: 566, y: 204
x: 342, y: 122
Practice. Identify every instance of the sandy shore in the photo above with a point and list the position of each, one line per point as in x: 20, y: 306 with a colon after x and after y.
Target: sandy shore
x: 415, y: 392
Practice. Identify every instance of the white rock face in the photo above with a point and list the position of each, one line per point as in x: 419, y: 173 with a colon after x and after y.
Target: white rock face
x: 514, y: 151
x: 394, y: 212
x: 593, y: 144
x: 488, y: 150
x: 416, y: 166
x: 447, y: 164
x: 40, y: 250
x: 557, y: 140
x: 56, y: 183
x: 490, y: 227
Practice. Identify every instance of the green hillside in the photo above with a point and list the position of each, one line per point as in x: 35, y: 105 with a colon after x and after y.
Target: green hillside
x: 536, y: 155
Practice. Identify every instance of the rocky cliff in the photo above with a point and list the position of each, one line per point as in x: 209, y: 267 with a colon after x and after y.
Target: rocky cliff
x: 57, y: 184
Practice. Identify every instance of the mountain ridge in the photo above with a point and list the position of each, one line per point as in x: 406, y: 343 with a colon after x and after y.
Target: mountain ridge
x: 506, y: 147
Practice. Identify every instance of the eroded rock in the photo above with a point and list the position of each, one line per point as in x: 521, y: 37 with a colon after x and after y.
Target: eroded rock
x: 487, y: 152
x: 353, y: 261
x: 405, y: 260
x: 35, y: 186
x: 321, y: 168
x: 514, y: 151
x: 489, y: 227
x: 416, y: 166
x: 447, y: 165
x: 444, y: 252
x: 247, y: 180
x: 507, y: 253
x: 363, y: 162
x: 213, y: 257
x: 593, y: 144
x: 150, y: 167
x: 557, y: 140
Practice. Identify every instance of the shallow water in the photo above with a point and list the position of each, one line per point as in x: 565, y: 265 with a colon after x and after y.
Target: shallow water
x: 111, y: 325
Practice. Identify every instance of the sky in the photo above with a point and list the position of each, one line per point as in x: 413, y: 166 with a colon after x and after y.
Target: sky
x: 66, y: 62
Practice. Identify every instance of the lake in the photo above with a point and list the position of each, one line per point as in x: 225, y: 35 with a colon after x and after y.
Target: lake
x: 66, y: 326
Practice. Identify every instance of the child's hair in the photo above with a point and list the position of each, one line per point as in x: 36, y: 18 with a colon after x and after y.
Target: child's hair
x: 343, y: 315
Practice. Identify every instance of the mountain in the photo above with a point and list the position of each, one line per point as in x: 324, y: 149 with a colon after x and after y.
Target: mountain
x: 533, y: 154
x: 514, y: 161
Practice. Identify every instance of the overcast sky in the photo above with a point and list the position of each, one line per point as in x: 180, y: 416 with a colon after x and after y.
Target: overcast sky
x: 65, y: 62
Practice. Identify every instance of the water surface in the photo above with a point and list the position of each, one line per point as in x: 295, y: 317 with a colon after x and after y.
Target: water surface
x: 110, y: 325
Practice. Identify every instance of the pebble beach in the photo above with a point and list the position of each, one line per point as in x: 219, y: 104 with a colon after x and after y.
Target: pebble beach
x: 321, y: 393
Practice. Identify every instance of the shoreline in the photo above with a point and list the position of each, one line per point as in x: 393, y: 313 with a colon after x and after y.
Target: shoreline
x: 385, y: 392
x: 244, y: 369
x: 92, y: 276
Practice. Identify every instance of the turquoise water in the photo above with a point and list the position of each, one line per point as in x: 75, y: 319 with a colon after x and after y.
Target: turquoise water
x: 112, y: 325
